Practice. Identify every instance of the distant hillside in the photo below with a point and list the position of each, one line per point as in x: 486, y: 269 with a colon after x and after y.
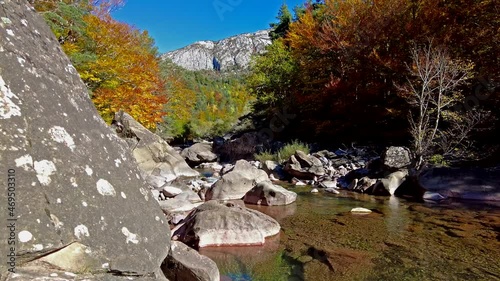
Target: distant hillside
x: 232, y: 53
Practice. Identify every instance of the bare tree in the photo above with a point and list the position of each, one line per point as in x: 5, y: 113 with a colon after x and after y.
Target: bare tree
x: 432, y: 90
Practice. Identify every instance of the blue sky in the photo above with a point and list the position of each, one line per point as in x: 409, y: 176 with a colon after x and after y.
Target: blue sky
x: 175, y: 24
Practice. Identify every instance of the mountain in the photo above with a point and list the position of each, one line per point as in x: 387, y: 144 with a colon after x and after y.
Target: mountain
x: 232, y: 53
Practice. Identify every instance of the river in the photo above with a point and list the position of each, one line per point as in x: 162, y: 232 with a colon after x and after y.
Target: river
x: 400, y: 240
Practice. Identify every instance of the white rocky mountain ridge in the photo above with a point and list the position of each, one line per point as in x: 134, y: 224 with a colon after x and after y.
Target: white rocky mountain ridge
x: 232, y: 53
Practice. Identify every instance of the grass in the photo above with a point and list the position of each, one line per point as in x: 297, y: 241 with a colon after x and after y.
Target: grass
x: 284, y: 153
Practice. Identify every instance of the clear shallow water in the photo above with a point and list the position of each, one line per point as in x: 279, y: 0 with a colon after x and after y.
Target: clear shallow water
x: 400, y: 240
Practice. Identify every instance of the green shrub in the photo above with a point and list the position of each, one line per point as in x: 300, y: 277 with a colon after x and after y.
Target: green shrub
x: 265, y: 156
x: 438, y: 160
x: 288, y: 150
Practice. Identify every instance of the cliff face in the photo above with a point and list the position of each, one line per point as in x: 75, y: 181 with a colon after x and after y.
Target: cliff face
x: 233, y: 53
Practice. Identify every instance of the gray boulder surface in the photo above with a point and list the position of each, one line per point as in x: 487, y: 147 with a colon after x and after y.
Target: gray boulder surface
x: 225, y: 224
x: 269, y: 194
x: 303, y: 166
x: 397, y: 157
x: 199, y: 153
x: 185, y: 264
x: 158, y: 162
x: 236, y: 183
x: 233, y: 53
x: 72, y: 179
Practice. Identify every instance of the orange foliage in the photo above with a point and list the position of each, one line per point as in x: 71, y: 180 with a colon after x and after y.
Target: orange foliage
x: 125, y: 74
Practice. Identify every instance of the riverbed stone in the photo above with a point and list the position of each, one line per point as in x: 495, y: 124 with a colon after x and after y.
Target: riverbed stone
x: 184, y: 264
x: 154, y: 155
x: 218, y: 223
x: 269, y: 194
x: 303, y: 166
x: 236, y: 183
x: 76, y: 180
x: 396, y: 157
x: 199, y: 153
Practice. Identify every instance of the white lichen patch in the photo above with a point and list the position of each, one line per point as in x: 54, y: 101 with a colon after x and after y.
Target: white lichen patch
x: 88, y: 170
x: 37, y: 247
x: 7, y: 107
x: 145, y: 193
x: 84, y: 204
x: 70, y: 68
x: 118, y: 162
x: 124, y: 196
x: 59, y: 201
x: 105, y: 188
x: 56, y: 222
x: 25, y: 162
x: 131, y: 237
x: 81, y: 230
x: 24, y: 236
x: 157, y: 218
x: 60, y: 135
x: 6, y: 20
x: 10, y: 32
x: 44, y: 169
x: 38, y: 221
x: 73, y: 182
x: 24, y: 22
x: 105, y: 265
x: 21, y: 61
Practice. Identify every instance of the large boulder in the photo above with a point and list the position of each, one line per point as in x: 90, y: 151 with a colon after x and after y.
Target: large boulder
x: 185, y: 264
x: 236, y: 183
x: 71, y: 179
x: 199, y: 153
x: 303, y: 166
x: 269, y: 194
x: 158, y: 162
x: 217, y: 224
x: 463, y: 183
x: 396, y: 157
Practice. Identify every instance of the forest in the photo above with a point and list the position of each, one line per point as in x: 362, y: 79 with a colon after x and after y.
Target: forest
x: 420, y: 73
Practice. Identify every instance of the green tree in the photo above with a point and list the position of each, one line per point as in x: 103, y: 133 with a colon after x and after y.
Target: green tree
x: 284, y: 18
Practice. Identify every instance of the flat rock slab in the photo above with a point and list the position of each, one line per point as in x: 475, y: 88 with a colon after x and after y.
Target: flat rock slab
x: 218, y: 224
x: 472, y: 184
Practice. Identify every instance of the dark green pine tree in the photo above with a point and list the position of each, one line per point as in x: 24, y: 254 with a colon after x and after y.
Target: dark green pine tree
x: 280, y: 29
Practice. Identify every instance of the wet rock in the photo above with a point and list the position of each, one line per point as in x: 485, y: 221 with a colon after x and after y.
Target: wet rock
x: 360, y: 210
x: 217, y: 224
x: 236, y: 183
x: 269, y: 194
x: 184, y: 264
x: 77, y: 180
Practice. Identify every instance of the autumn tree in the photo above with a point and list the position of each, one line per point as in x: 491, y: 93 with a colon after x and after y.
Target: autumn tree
x: 118, y: 63
x: 432, y: 90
